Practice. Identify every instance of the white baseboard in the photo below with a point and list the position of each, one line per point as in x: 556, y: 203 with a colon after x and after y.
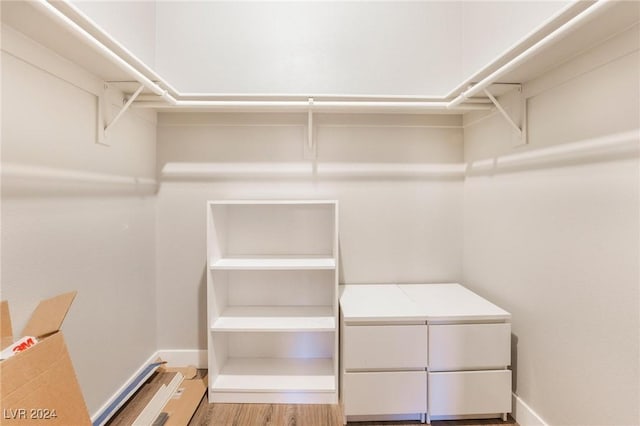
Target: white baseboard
x: 184, y: 357
x: 144, y: 365
x: 386, y: 418
x: 524, y: 415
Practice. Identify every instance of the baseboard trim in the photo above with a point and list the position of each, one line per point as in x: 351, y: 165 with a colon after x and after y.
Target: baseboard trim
x: 117, y: 393
x: 524, y: 415
x: 385, y: 418
x: 184, y: 357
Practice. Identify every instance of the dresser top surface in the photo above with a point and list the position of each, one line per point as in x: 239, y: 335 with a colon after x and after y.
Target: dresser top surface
x: 371, y: 302
x: 416, y: 302
x: 452, y: 302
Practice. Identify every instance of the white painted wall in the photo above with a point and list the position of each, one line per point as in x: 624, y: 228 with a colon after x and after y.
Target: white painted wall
x: 73, y: 217
x: 552, y: 234
x: 489, y: 28
x: 132, y: 23
x: 401, y: 48
x: 395, y: 225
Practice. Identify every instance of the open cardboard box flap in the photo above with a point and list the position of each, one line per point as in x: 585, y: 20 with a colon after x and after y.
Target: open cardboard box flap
x: 49, y: 315
x: 39, y: 384
x: 6, y: 331
x: 182, y: 406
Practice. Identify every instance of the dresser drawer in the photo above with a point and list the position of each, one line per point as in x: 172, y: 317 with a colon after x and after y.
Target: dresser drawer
x: 469, y: 392
x: 397, y: 392
x: 385, y: 346
x: 469, y: 346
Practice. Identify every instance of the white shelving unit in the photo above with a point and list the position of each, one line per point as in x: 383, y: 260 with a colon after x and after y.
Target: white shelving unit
x: 272, y: 297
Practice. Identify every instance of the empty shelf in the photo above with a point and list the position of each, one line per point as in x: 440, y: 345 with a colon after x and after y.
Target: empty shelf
x: 276, y: 375
x: 275, y: 318
x: 266, y: 263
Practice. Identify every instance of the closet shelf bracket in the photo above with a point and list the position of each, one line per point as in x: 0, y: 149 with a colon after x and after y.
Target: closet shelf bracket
x: 124, y: 108
x: 520, y: 112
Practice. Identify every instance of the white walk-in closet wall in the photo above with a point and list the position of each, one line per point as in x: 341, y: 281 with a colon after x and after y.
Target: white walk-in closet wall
x: 549, y: 231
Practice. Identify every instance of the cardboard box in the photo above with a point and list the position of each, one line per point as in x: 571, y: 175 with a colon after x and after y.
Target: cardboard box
x: 185, y: 402
x: 40, y: 384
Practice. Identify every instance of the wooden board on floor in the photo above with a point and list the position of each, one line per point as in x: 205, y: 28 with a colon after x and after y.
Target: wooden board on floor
x: 130, y: 411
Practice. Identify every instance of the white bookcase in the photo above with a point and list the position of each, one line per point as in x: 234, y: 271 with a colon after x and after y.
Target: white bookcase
x: 272, y: 301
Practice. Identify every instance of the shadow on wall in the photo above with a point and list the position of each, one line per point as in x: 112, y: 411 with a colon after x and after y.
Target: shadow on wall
x: 606, y: 148
x: 514, y: 362
x: 201, y: 172
x: 22, y: 181
x: 203, y: 327
x: 340, y: 264
x: 204, y: 147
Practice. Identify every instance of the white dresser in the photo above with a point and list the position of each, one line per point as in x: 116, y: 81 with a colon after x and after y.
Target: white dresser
x: 423, y: 351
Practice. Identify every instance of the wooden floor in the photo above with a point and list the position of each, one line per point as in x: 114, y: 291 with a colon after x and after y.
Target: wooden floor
x: 299, y: 415
x: 265, y: 414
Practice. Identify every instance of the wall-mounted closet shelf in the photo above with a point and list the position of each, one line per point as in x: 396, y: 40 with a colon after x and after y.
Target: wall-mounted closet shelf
x: 60, y: 32
x: 603, y: 20
x: 62, y: 28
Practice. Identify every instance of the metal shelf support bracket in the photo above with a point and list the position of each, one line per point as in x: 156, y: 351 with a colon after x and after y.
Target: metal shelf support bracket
x: 520, y: 129
x: 124, y: 109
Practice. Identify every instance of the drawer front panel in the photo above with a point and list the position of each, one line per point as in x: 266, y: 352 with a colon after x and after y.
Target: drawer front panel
x: 398, y: 392
x: 470, y: 392
x: 469, y: 346
x: 385, y: 346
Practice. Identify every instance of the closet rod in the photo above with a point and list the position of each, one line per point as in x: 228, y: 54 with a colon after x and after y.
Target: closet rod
x: 193, y: 96
x: 354, y: 102
x: 61, y: 18
x: 85, y: 22
x: 547, y: 27
x: 318, y: 105
x: 169, y: 100
x: 562, y: 31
